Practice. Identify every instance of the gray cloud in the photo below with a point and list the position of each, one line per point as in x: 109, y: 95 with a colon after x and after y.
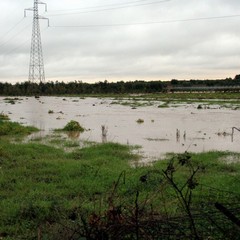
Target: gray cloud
x: 190, y: 49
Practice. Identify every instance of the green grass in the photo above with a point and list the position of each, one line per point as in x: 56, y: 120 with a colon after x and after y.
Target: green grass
x: 164, y: 105
x: 42, y: 185
x: 134, y: 103
x: 199, y: 96
x: 226, y: 100
x: 8, y: 128
x: 36, y: 179
x: 4, y: 117
x: 72, y: 126
x: 71, y: 144
x: 166, y: 96
x: 218, y: 172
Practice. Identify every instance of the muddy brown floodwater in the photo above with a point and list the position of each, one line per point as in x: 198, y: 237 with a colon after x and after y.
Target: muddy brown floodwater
x: 163, y: 130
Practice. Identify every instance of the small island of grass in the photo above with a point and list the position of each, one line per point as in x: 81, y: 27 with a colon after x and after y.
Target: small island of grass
x: 72, y: 126
x: 8, y: 128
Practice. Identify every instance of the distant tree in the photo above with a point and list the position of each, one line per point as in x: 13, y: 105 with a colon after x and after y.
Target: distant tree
x: 237, y: 77
x: 174, y: 81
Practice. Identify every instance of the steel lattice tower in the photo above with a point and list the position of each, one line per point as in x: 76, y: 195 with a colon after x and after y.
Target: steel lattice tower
x: 36, y: 66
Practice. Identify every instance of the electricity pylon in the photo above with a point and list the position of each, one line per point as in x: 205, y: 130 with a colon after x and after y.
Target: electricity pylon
x: 36, y: 66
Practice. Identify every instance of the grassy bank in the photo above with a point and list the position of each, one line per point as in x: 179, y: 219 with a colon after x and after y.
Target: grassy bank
x: 40, y: 183
x: 51, y: 194
x: 8, y: 128
x: 101, y: 192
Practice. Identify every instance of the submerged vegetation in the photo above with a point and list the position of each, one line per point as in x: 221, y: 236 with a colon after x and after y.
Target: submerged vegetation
x: 102, y: 192
x: 50, y: 111
x: 203, y: 100
x: 4, y: 117
x: 139, y: 121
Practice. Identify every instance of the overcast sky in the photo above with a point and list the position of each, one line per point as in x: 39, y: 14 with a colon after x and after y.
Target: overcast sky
x: 123, y: 39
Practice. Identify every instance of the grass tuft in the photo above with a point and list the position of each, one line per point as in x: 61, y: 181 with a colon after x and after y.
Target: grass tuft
x: 72, y: 126
x: 14, y: 128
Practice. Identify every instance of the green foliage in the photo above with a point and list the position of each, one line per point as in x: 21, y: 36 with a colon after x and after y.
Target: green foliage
x: 73, y: 126
x: 4, y: 117
x: 164, y: 105
x: 120, y: 87
x: 13, y: 128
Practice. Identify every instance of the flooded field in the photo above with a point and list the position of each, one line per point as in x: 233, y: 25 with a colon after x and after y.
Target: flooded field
x: 158, y: 130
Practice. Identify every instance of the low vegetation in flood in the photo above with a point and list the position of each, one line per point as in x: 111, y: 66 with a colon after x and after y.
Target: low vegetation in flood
x: 167, y: 100
x: 8, y: 128
x: 101, y: 192
x: 50, y: 111
x: 4, y: 117
x: 140, y: 121
x: 72, y: 126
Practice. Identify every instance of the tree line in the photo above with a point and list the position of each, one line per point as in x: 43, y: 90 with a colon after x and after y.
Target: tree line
x: 131, y: 87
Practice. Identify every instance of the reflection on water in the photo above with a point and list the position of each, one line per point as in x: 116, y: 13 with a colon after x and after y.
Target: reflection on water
x: 180, y: 129
x: 236, y: 129
x: 73, y: 135
x: 104, y: 134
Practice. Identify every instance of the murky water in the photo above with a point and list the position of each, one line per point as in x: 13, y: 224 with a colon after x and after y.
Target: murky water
x: 199, y: 130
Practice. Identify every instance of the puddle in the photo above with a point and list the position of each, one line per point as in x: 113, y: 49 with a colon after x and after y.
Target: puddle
x: 163, y: 130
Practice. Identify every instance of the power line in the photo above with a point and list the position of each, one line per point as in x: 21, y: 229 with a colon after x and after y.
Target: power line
x: 16, y: 48
x: 19, y: 32
x: 149, y: 23
x: 11, y: 29
x: 23, y: 43
x: 108, y: 9
x: 99, y: 6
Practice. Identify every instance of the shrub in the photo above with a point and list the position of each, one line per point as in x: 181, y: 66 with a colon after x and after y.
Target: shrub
x: 73, y: 126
